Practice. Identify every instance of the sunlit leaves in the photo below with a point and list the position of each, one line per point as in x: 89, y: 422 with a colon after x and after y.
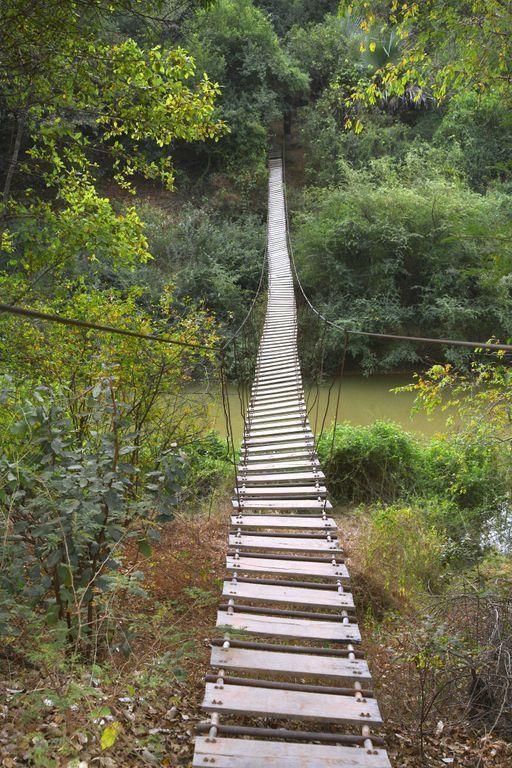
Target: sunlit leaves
x: 446, y: 46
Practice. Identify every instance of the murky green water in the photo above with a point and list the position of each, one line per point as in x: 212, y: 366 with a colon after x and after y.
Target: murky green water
x: 363, y: 401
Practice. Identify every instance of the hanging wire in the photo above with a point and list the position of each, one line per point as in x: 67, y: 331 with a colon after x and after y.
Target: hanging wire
x: 253, y: 303
x: 319, y: 375
x: 338, y: 375
x: 338, y: 398
x: 37, y: 315
x: 229, y: 424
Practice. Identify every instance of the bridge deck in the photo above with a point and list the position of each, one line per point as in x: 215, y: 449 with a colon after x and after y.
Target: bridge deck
x: 286, y: 578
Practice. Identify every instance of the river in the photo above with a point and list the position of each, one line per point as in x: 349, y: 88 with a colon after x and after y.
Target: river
x: 364, y: 399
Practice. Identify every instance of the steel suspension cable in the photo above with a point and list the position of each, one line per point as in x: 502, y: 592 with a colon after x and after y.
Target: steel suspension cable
x: 54, y: 318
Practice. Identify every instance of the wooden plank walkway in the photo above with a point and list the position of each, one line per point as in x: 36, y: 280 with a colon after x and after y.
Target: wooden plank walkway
x: 287, y: 649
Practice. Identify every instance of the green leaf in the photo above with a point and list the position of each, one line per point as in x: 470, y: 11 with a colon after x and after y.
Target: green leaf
x: 144, y: 547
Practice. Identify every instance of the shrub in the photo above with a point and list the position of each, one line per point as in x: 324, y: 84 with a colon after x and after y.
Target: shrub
x: 481, y: 125
x: 211, y: 259
x: 383, y: 256
x: 380, y: 461
x: 207, y: 463
x: 405, y: 548
x: 460, y: 487
x: 68, y: 510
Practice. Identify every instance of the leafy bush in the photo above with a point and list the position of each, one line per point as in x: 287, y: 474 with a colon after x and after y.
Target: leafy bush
x: 407, y: 548
x: 69, y: 509
x: 414, y: 258
x: 482, y: 126
x: 459, y: 489
x: 207, y: 463
x: 380, y: 461
x: 211, y: 259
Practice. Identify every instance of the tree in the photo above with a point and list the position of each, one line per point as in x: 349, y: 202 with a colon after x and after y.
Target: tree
x: 76, y: 98
x: 236, y: 43
x: 447, y: 46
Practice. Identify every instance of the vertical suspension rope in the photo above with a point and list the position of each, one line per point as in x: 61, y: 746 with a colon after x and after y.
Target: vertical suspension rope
x: 338, y: 398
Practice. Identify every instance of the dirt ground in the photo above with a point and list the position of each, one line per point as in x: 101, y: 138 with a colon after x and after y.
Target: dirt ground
x: 148, y: 703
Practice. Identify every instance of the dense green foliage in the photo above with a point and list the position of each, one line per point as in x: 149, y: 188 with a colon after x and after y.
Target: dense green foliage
x: 405, y: 226
x: 406, y: 251
x: 460, y: 487
x: 69, y: 496
x: 237, y: 44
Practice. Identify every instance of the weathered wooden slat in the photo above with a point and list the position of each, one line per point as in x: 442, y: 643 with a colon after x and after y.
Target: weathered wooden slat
x: 283, y: 521
x: 281, y: 491
x: 280, y: 626
x: 288, y: 567
x: 321, y: 598
x: 284, y: 504
x: 249, y: 753
x: 262, y: 421
x: 308, y: 454
x: 269, y: 442
x: 282, y: 477
x: 295, y: 401
x: 280, y: 542
x: 322, y: 707
x: 257, y: 432
x: 295, y: 451
x: 255, y: 425
x: 280, y: 465
x: 295, y: 664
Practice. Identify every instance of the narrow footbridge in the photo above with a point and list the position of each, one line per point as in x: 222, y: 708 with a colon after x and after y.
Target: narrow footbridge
x: 289, y: 685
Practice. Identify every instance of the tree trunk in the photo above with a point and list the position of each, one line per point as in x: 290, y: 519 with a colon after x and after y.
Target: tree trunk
x: 14, y: 158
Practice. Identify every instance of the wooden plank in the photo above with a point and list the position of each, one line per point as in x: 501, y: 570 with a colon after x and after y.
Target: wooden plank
x: 320, y: 598
x: 279, y: 466
x: 260, y: 398
x: 301, y: 705
x: 274, y: 380
x: 281, y: 491
x: 255, y: 459
x: 277, y: 448
x: 255, y: 431
x: 270, y: 387
x: 286, y: 504
x: 265, y: 393
x: 287, y: 437
x: 295, y: 664
x: 283, y: 521
x: 287, y: 567
x: 285, y: 404
x: 294, y: 409
x: 280, y: 365
x: 258, y: 423
x: 280, y: 626
x: 282, y: 477
x: 249, y: 753
x: 281, y: 542
x: 276, y: 420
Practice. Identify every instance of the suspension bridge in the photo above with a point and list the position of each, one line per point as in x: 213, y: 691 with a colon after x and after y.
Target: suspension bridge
x: 289, y: 685
x: 287, y: 656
